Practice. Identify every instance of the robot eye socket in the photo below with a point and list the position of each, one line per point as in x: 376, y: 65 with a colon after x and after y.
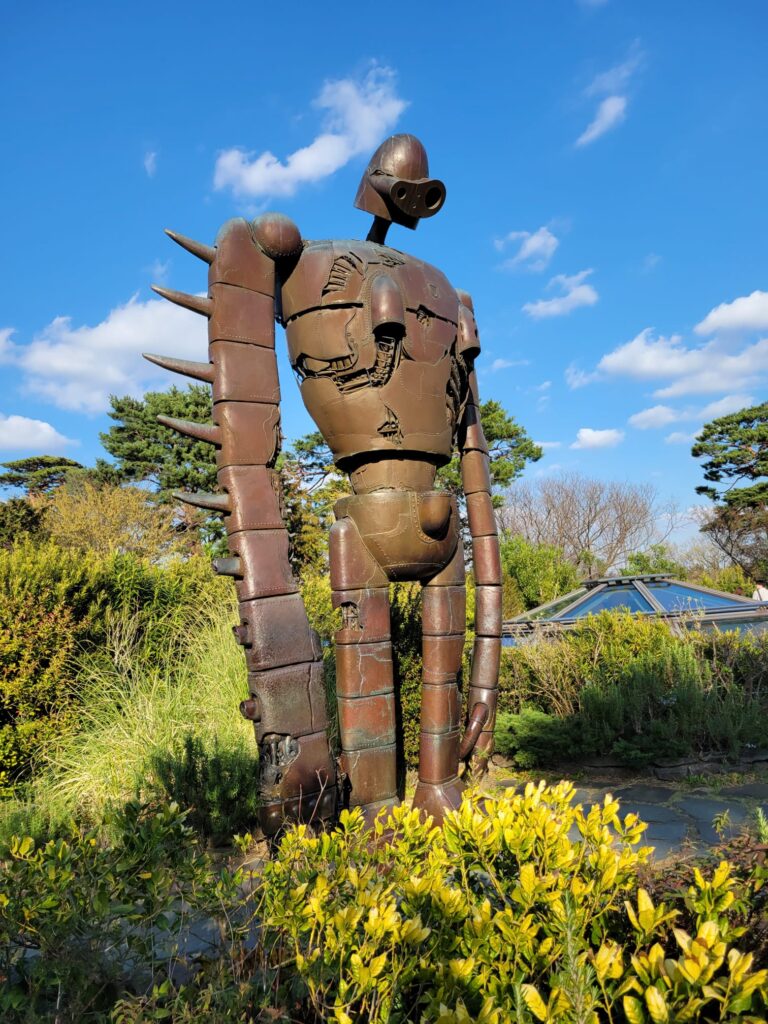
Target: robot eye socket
x: 401, y: 192
x: 433, y: 198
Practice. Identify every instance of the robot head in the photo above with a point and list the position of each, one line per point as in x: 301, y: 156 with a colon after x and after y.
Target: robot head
x: 396, y: 185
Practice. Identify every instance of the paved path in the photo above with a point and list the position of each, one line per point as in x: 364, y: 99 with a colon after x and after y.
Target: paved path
x: 678, y: 817
x: 675, y: 817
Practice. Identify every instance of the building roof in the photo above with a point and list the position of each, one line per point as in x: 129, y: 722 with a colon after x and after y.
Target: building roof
x: 651, y: 594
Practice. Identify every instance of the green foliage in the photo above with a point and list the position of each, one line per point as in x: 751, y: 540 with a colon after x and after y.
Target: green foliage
x: 540, y: 572
x: 218, y: 786
x: 510, y: 448
x: 146, y: 451
x: 735, y: 451
x: 18, y: 518
x: 138, y: 696
x: 534, y: 737
x: 49, y: 602
x: 626, y: 685
x: 498, y: 916
x: 38, y: 474
x: 102, y: 519
x: 58, y: 606
x: 731, y: 580
x: 77, y: 917
x: 311, y: 486
x: 664, y: 707
x: 657, y: 558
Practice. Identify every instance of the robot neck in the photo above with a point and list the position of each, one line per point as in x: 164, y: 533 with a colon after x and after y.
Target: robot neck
x: 379, y: 229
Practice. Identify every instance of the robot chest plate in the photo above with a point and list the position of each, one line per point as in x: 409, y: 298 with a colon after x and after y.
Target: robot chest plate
x: 327, y: 314
x: 372, y: 388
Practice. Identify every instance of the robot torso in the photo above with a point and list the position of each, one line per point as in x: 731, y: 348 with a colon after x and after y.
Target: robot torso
x: 372, y: 337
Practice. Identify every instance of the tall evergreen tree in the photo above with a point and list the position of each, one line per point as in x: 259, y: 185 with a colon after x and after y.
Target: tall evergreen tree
x: 735, y: 452
x: 38, y: 474
x: 509, y: 445
x: 146, y: 451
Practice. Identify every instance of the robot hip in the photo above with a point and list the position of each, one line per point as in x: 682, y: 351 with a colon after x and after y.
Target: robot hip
x: 412, y: 535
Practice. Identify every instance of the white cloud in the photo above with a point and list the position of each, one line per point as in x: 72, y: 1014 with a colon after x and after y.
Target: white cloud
x: 678, y: 437
x: 505, y: 364
x: 662, y: 415
x: 79, y: 367
x: 589, y: 438
x: 747, y: 313
x: 544, y: 470
x: 21, y: 434
x: 576, y: 378
x: 6, y: 345
x: 705, y: 369
x: 544, y: 386
x: 612, y: 85
x: 534, y: 252
x: 575, y: 294
x: 150, y: 163
x: 656, y: 416
x: 610, y: 113
x: 616, y: 79
x: 651, y: 261
x: 725, y: 406
x: 549, y: 444
x: 358, y: 114
x: 158, y: 271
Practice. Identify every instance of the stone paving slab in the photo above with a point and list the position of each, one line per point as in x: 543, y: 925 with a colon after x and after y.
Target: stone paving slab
x: 703, y: 810
x: 752, y: 790
x: 675, y: 816
x: 644, y: 793
x: 657, y: 814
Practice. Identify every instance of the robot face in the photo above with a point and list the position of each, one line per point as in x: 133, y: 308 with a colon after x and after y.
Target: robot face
x: 396, y: 185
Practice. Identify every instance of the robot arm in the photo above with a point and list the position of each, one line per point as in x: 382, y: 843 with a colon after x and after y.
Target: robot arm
x: 285, y: 670
x: 476, y: 481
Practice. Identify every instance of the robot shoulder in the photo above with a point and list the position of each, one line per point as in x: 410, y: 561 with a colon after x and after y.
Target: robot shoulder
x: 469, y: 341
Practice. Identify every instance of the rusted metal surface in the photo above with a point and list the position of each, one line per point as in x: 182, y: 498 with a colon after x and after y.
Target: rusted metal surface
x: 383, y: 347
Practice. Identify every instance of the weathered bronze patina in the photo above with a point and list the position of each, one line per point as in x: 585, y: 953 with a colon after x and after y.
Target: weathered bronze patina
x: 384, y: 349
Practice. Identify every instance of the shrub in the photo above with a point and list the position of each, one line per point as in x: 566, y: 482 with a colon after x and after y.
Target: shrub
x: 498, y: 916
x: 58, y: 606
x: 627, y: 685
x: 533, y: 737
x: 219, y: 787
x: 18, y: 517
x: 79, y: 919
x: 49, y: 602
x: 541, y: 572
x: 106, y: 519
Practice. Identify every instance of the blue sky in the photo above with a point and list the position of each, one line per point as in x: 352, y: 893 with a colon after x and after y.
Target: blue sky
x: 605, y: 165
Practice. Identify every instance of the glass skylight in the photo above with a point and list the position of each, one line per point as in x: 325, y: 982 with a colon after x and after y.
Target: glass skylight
x: 626, y: 598
x: 676, y: 597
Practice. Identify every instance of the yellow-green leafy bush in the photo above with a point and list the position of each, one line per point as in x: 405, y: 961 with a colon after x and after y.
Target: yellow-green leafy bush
x: 523, y: 909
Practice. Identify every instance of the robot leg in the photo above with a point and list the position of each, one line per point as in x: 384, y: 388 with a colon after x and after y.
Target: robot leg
x: 364, y: 672
x: 444, y: 622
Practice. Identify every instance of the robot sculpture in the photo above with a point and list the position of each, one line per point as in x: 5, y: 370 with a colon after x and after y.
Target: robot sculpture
x: 383, y: 347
